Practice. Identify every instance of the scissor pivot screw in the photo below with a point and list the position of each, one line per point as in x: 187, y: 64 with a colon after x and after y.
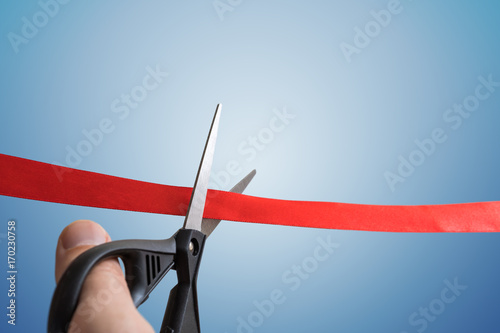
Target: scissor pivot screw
x: 193, y: 247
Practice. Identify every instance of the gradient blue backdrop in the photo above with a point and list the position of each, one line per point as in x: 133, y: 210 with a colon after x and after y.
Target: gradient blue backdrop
x: 352, y: 121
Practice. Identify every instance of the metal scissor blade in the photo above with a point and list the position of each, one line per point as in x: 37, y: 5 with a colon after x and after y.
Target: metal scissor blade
x: 208, y: 225
x: 194, y: 214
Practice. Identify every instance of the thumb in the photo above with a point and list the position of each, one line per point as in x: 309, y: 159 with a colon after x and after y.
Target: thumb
x: 105, y: 304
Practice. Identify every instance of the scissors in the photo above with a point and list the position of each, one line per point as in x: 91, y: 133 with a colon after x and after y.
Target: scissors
x: 146, y: 262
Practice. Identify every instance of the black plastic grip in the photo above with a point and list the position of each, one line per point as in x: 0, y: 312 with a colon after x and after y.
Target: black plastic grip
x: 181, y: 315
x: 145, y: 263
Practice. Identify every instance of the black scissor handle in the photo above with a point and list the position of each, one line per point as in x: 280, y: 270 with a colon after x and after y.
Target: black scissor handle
x: 181, y: 315
x: 145, y: 263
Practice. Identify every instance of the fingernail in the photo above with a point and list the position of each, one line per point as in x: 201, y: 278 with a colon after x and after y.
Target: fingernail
x: 82, y: 233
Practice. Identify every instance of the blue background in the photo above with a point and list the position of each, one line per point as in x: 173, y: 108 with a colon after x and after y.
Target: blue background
x: 352, y: 120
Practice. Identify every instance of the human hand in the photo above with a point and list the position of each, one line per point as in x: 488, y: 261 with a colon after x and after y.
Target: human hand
x: 105, y: 303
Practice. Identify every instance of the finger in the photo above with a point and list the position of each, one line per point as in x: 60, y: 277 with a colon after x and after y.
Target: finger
x: 75, y: 239
x: 105, y: 304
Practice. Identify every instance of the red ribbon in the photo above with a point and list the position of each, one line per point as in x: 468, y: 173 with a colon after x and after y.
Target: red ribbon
x: 34, y: 180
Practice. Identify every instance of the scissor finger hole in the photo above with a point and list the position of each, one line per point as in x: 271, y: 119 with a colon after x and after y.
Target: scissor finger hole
x: 122, y: 265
